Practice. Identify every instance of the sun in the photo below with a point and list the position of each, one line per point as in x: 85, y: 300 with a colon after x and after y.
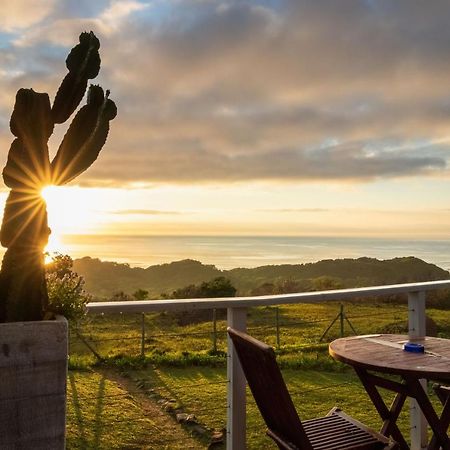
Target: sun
x: 70, y: 211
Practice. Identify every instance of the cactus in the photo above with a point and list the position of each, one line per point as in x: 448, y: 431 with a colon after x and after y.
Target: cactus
x: 24, y: 230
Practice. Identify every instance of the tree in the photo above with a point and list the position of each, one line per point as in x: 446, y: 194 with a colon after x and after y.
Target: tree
x: 325, y: 283
x: 190, y: 291
x: 140, y: 294
x: 263, y: 289
x: 289, y: 286
x: 120, y: 296
x: 24, y: 231
x: 218, y: 287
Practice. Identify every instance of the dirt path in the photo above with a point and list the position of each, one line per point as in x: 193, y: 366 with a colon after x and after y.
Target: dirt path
x: 106, y: 411
x: 167, y: 433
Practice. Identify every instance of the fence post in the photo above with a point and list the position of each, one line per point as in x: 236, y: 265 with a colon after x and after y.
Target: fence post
x: 143, y: 335
x: 214, y: 336
x: 417, y: 329
x: 277, y: 318
x: 236, y: 401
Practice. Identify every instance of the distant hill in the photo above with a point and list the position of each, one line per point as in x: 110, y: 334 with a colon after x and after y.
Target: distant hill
x: 105, y: 278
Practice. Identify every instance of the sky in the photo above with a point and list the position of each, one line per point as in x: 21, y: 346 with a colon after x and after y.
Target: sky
x: 274, y: 117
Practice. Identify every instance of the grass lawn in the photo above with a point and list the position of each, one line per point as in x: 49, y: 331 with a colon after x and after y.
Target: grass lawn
x: 122, y: 406
x: 105, y: 413
x: 301, y: 324
x: 202, y: 391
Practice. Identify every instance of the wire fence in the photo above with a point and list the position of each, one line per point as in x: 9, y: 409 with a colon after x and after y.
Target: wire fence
x: 161, y: 381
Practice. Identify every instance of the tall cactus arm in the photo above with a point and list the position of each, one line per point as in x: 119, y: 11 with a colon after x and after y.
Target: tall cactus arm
x: 85, y: 137
x: 31, y: 117
x: 83, y: 63
x: 28, y: 163
x: 19, y: 172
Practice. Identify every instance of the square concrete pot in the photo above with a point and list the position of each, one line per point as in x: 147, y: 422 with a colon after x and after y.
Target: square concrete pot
x: 33, y: 377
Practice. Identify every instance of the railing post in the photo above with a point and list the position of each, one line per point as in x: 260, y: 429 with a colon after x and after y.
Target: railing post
x: 417, y: 329
x: 236, y: 413
x: 277, y: 318
x: 214, y: 333
x: 143, y: 335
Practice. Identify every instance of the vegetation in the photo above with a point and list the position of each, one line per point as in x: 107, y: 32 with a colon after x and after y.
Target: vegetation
x: 140, y: 294
x: 65, y: 287
x: 24, y: 231
x: 131, y: 386
x: 103, y: 279
x: 107, y: 412
x: 181, y: 368
x: 179, y: 372
x: 218, y: 287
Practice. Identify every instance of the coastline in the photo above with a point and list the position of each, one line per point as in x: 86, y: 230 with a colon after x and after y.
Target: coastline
x: 228, y: 252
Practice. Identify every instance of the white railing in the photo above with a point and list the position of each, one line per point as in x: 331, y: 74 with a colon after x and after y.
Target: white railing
x: 237, y: 318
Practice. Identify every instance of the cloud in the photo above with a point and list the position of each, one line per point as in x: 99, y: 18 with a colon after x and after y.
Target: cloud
x: 62, y: 30
x: 196, y: 166
x: 119, y: 10
x: 19, y: 14
x: 243, y: 91
x: 144, y: 212
x: 295, y: 210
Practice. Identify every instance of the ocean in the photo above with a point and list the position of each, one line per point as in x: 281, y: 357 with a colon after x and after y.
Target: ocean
x: 227, y: 252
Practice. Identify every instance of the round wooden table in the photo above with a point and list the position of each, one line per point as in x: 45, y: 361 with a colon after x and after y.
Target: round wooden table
x: 384, y: 354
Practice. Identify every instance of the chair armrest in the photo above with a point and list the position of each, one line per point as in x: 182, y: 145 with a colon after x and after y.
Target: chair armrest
x: 283, y: 445
x: 443, y: 392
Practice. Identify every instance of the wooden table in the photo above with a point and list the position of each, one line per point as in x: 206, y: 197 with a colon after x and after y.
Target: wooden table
x: 384, y: 354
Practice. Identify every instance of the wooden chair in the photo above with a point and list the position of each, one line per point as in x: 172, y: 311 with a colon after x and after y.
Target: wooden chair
x: 334, y: 431
x: 443, y: 394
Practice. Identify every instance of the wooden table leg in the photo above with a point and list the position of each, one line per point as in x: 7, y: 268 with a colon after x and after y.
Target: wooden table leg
x: 389, y: 417
x: 395, y: 410
x: 428, y: 411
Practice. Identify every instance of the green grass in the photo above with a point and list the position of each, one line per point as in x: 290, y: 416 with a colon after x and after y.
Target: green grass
x: 202, y: 391
x: 104, y: 415
x: 180, y: 366
x: 299, y: 325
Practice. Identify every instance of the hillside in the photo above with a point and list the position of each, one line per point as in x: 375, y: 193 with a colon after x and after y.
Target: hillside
x: 105, y: 278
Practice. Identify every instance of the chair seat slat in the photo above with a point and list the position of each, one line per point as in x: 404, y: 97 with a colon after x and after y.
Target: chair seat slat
x: 341, y: 437
x: 350, y: 434
x: 333, y: 440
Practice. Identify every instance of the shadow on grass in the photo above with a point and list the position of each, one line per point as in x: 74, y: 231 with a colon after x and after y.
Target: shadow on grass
x: 77, y: 410
x: 98, y: 412
x: 80, y: 422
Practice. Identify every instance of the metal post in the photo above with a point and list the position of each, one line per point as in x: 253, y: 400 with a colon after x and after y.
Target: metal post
x: 417, y: 329
x: 214, y: 336
x: 277, y: 318
x: 341, y: 317
x: 143, y: 335
x: 236, y: 396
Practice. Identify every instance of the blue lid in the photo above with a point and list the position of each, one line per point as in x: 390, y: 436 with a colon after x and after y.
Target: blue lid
x: 413, y: 348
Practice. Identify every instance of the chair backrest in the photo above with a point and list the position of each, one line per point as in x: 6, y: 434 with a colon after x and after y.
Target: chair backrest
x: 269, y: 389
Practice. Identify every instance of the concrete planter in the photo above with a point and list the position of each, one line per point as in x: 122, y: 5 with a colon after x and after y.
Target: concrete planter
x: 33, y: 374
